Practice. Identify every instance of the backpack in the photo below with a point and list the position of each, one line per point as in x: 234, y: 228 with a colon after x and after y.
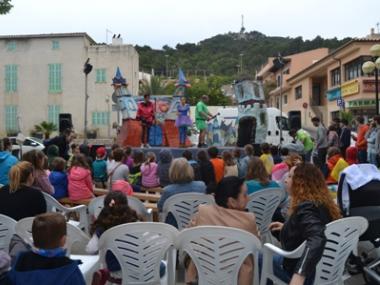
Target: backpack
x: 155, y: 135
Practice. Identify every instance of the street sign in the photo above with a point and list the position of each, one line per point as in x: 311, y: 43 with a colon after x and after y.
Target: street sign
x: 340, y: 102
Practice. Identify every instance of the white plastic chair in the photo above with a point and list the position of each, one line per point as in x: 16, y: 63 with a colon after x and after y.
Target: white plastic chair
x: 52, y: 205
x: 342, y: 238
x: 7, y: 230
x: 219, y: 252
x: 184, y: 206
x: 263, y: 204
x: 96, y: 205
x: 76, y: 240
x: 139, y: 248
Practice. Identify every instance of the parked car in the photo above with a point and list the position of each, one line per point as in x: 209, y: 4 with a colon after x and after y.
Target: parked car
x: 29, y: 144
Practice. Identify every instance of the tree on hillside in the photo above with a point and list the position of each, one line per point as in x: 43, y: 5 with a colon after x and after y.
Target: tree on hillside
x: 5, y: 6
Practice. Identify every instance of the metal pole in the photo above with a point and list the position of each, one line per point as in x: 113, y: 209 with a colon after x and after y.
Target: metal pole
x: 85, y: 109
x: 281, y: 105
x: 377, y: 90
x: 109, y: 117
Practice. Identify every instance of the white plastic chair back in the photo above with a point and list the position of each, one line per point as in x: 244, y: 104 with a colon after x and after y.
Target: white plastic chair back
x: 76, y: 240
x: 52, y: 205
x: 140, y: 208
x: 219, y: 252
x: 342, y: 238
x: 95, y: 207
x: 139, y: 248
x: 7, y: 230
x: 184, y: 206
x: 263, y: 204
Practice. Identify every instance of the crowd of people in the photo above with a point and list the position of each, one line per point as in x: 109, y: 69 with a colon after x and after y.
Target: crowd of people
x: 68, y: 170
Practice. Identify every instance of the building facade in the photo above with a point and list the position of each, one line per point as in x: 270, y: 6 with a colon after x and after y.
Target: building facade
x: 42, y: 76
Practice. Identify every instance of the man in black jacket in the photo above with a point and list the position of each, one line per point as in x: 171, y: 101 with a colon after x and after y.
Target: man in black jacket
x: 62, y: 142
x: 345, y: 137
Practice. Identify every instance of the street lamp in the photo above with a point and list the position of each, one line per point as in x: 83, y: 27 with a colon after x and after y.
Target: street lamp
x: 374, y: 66
x: 86, y: 70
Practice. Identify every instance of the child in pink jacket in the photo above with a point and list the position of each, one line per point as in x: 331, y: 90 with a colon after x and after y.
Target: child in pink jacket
x: 149, y: 176
x: 79, y: 177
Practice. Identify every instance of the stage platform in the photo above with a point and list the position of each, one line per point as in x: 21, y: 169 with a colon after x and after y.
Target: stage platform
x: 177, y: 152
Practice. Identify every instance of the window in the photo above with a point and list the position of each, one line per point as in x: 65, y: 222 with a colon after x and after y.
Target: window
x: 101, y: 75
x: 278, y: 102
x: 53, y: 114
x: 282, y: 123
x: 335, y: 77
x: 11, y: 118
x: 298, y: 92
x: 11, y: 78
x: 55, y: 78
x: 11, y: 46
x: 353, y: 69
x: 100, y: 118
x: 55, y: 44
x: 285, y: 99
x: 278, y: 80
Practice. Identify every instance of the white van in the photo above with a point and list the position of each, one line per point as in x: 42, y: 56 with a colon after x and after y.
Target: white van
x: 229, y: 116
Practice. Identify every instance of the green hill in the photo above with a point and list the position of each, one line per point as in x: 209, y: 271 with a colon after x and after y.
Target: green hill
x: 220, y: 55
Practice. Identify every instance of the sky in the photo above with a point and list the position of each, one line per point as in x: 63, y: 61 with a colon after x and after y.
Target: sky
x: 167, y: 22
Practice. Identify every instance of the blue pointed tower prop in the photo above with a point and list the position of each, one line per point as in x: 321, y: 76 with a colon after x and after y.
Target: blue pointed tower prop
x: 181, y: 84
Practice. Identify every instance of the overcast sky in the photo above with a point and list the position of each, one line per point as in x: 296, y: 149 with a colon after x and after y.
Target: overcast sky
x: 159, y: 22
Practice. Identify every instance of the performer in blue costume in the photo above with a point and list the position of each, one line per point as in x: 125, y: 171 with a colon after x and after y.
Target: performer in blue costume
x: 183, y: 121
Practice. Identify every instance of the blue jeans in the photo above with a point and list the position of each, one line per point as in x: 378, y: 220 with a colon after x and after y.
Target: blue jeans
x: 372, y: 158
x: 182, y: 134
x: 280, y: 272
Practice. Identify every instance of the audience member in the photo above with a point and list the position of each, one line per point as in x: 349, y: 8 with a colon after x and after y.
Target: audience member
x: 110, y: 161
x: 47, y: 263
x: 335, y: 164
x: 267, y: 158
x: 5, y: 265
x: 62, y: 142
x: 217, y: 163
x: 336, y: 123
x: 164, y: 161
x: 58, y: 178
x: 149, y: 171
x: 332, y: 137
x: 182, y: 177
x: 41, y: 179
x: 85, y: 149
x: 80, y: 181
x: 361, y: 142
x: 321, y: 143
x: 19, y: 199
x: 243, y: 167
x: 345, y: 136
x: 7, y: 160
x: 206, y: 168
x: 99, y: 168
x: 194, y: 164
x: 135, y: 171
x: 311, y: 208
x: 229, y: 211
x: 257, y: 177
x: 74, y: 150
x: 52, y: 152
x: 352, y: 155
x: 230, y: 166
x: 119, y: 170
x: 304, y: 138
x: 371, y: 136
x: 128, y: 160
x: 275, y: 154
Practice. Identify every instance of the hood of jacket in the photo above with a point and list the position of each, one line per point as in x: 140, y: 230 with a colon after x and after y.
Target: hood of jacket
x: 79, y: 173
x: 4, y: 155
x: 56, y: 177
x: 165, y: 156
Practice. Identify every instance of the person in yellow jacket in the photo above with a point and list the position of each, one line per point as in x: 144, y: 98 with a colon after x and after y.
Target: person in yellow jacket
x: 335, y: 164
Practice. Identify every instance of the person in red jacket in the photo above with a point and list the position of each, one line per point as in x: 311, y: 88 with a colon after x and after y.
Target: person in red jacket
x: 145, y: 113
x: 361, y: 142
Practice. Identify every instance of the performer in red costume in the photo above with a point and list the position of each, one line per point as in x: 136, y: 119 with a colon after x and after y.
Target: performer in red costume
x: 145, y: 113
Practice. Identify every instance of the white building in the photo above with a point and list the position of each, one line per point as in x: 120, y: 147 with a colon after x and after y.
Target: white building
x: 42, y: 76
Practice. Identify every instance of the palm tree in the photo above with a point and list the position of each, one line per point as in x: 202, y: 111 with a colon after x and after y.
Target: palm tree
x: 46, y: 128
x: 153, y: 87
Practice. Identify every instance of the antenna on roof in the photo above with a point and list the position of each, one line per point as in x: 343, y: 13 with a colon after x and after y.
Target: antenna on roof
x: 242, y: 29
x: 378, y: 29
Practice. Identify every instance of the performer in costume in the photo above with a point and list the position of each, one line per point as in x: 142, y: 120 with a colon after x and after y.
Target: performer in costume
x: 201, y: 116
x: 145, y: 113
x: 183, y: 120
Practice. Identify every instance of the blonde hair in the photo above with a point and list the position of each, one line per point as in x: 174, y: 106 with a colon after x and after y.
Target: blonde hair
x: 19, y: 175
x: 181, y: 171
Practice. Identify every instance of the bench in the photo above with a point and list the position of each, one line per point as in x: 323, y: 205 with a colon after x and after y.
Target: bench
x: 67, y: 201
x: 151, y: 190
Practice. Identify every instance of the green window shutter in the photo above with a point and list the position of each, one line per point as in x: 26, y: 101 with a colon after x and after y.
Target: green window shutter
x: 11, y: 78
x: 11, y: 46
x: 55, y: 78
x: 100, y: 118
x: 53, y: 114
x: 101, y: 75
x: 55, y: 44
x: 11, y: 118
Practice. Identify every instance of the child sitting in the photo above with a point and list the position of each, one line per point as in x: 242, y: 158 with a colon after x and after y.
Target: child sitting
x: 335, y: 164
x: 47, y: 262
x: 149, y: 171
x: 217, y: 163
x: 230, y: 166
x: 80, y: 181
x: 58, y: 178
x: 128, y: 160
x: 99, y: 168
x: 267, y: 158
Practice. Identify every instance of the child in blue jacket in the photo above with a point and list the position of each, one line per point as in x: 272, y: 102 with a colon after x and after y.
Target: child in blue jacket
x: 58, y: 178
x: 47, y: 263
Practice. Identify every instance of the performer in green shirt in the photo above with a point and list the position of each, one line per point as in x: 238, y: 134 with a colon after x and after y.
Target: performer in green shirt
x: 201, y: 116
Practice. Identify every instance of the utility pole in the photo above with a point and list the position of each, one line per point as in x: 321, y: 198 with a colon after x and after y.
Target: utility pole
x: 86, y: 69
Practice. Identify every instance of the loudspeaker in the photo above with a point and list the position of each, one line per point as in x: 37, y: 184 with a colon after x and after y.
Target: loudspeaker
x: 246, y: 131
x: 65, y: 122
x: 294, y: 119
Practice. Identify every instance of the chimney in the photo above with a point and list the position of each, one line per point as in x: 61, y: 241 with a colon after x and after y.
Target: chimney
x: 117, y: 41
